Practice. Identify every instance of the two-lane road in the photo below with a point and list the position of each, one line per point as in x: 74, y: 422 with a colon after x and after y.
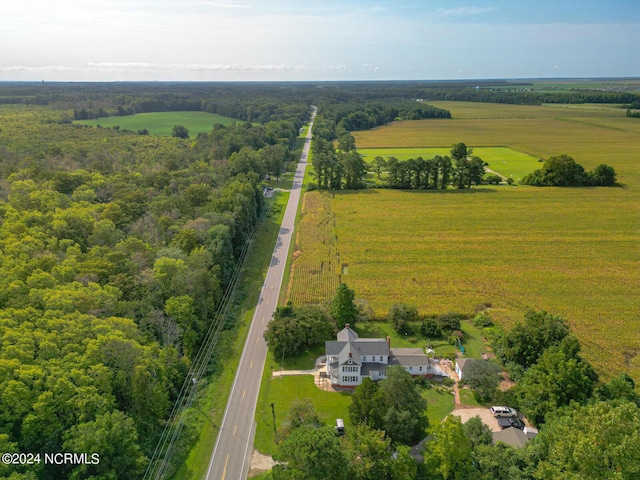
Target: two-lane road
x: 232, y: 453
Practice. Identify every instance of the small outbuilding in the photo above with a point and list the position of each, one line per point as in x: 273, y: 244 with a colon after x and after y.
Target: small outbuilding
x: 514, y: 436
x: 462, y: 364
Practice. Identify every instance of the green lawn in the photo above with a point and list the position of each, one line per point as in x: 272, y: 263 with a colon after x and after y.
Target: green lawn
x: 281, y: 392
x: 439, y: 405
x: 467, y: 398
x: 161, y: 123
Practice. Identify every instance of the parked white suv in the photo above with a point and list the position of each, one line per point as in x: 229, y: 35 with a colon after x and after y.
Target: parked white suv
x: 503, y: 412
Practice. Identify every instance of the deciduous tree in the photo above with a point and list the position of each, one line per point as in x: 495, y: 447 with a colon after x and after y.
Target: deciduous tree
x: 560, y: 377
x: 343, y: 307
x: 312, y: 454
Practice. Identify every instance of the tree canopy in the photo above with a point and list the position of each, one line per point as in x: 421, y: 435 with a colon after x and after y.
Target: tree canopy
x: 559, y: 377
x: 564, y: 171
x: 343, y: 307
x: 393, y: 405
x: 295, y: 328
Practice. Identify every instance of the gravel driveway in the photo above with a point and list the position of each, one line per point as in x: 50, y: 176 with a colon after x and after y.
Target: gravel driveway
x: 484, y: 413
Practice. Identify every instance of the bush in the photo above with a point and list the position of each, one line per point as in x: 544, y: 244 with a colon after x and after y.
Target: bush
x: 493, y: 179
x: 483, y: 319
x: 430, y: 328
x: 455, y: 336
x: 449, y: 321
x: 400, y: 315
x: 448, y: 382
x: 450, y: 356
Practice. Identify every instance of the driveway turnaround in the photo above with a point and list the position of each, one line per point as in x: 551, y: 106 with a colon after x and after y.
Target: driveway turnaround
x: 232, y: 454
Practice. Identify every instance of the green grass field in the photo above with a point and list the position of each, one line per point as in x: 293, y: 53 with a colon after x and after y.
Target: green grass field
x: 572, y: 252
x: 439, y: 405
x: 161, y: 123
x: 281, y: 392
x: 503, y: 160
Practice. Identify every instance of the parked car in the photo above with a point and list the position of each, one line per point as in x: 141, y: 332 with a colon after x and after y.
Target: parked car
x: 503, y: 411
x: 510, y: 422
x: 339, y: 427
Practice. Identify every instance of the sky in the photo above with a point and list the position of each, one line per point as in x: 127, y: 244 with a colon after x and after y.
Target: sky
x: 293, y: 40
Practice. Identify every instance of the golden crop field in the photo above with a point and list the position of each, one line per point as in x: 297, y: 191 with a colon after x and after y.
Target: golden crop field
x: 570, y: 251
x: 316, y: 264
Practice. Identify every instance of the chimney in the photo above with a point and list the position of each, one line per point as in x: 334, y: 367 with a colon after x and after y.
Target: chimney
x: 388, y: 341
x: 346, y: 325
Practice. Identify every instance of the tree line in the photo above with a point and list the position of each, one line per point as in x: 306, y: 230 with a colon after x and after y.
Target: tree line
x: 350, y: 115
x: 343, y: 167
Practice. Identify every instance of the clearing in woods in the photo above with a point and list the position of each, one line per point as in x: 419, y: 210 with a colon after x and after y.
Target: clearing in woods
x: 161, y: 123
x: 570, y: 251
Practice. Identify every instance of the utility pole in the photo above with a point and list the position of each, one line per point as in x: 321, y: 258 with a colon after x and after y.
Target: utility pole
x: 273, y: 411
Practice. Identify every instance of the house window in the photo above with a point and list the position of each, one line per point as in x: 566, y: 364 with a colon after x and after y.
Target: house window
x: 344, y: 379
x: 420, y: 368
x: 410, y: 368
x: 381, y: 358
x: 364, y: 358
x: 353, y: 379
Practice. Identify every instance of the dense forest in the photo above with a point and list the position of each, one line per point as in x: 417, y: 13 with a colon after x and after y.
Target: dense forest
x: 116, y: 251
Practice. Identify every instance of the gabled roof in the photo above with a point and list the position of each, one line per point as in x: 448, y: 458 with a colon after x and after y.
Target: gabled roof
x: 512, y: 436
x: 408, y: 357
x: 463, y: 363
x: 347, y: 335
x: 333, y: 348
x: 347, y: 353
x: 349, y: 343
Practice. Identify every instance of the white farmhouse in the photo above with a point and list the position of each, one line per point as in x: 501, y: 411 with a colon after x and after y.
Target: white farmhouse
x: 350, y: 359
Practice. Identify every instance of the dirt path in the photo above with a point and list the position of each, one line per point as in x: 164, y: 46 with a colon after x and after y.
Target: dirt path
x: 321, y: 381
x: 488, y: 170
x: 260, y: 464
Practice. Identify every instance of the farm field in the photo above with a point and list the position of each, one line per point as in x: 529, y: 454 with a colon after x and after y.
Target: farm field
x: 503, y: 160
x: 574, y: 252
x: 161, y: 123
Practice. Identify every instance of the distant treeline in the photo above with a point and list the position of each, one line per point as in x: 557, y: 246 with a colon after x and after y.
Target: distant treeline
x: 526, y: 98
x: 355, y: 114
x: 263, y: 102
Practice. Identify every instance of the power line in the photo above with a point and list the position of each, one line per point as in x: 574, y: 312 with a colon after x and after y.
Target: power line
x: 161, y: 459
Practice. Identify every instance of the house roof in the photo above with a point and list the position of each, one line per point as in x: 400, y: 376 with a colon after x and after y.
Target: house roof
x: 512, y: 436
x: 463, y: 363
x: 333, y: 348
x: 349, y: 343
x: 408, y: 356
x: 347, y: 335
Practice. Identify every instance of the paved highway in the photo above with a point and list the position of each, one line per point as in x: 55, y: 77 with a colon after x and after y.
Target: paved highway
x: 232, y: 454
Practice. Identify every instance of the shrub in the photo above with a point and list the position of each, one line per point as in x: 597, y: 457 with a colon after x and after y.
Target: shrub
x: 448, y: 382
x: 400, y: 315
x: 483, y: 319
x: 430, y: 328
x: 449, y: 321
